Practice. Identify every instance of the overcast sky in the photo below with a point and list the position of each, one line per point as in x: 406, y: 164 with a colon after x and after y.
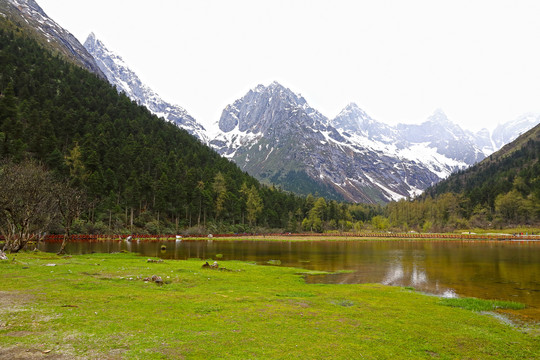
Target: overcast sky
x: 399, y: 60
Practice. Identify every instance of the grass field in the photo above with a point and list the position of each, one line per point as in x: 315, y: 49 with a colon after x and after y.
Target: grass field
x: 99, y: 307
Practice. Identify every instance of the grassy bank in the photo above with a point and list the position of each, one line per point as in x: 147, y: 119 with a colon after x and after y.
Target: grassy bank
x: 99, y: 306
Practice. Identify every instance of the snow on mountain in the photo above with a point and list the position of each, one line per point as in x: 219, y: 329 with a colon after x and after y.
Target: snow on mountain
x: 509, y: 131
x: 483, y: 141
x: 353, y: 120
x: 275, y: 135
x: 120, y: 75
x: 447, y: 137
x: 48, y: 32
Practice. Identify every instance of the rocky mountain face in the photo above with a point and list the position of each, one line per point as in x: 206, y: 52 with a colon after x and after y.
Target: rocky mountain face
x: 447, y: 138
x: 273, y: 134
x: 354, y: 121
x: 28, y: 14
x: 120, y: 75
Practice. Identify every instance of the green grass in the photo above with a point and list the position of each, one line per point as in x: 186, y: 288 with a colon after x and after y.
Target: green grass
x: 475, y: 304
x: 97, y: 306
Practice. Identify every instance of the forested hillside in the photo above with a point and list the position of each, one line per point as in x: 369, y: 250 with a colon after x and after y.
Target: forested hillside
x: 139, y: 172
x: 125, y: 158
x: 514, y: 167
x: 502, y: 190
x: 143, y: 174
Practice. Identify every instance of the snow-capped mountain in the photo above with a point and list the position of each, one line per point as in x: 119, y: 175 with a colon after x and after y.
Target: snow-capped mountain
x: 483, y: 141
x: 275, y: 135
x: 506, y: 133
x: 353, y: 120
x: 120, y: 75
x: 438, y: 145
x: 28, y: 13
x: 449, y: 139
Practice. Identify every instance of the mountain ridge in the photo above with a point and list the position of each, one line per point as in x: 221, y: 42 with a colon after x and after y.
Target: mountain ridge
x: 126, y: 80
x: 328, y: 156
x: 254, y: 131
x: 28, y: 14
x: 272, y: 132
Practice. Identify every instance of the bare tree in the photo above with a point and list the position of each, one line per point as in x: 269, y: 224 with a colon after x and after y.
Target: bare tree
x: 70, y: 202
x: 27, y: 204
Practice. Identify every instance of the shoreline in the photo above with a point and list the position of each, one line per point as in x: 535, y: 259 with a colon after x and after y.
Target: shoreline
x: 297, y: 237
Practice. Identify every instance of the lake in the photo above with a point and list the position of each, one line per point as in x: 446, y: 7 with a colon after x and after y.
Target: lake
x: 506, y: 270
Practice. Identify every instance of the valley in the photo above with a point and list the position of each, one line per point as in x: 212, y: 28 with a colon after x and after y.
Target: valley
x: 130, y: 230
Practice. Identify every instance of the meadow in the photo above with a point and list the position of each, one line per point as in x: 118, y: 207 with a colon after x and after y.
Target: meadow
x: 105, y: 306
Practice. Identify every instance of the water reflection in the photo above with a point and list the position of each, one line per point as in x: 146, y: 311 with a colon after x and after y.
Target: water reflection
x: 401, y: 272
x: 489, y: 270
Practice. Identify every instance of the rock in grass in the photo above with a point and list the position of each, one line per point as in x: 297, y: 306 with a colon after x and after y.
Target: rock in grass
x: 154, y: 278
x: 215, y: 265
x: 3, y: 255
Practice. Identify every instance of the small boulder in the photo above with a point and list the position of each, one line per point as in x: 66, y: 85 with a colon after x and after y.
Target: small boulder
x: 3, y: 255
x: 211, y: 266
x: 156, y: 279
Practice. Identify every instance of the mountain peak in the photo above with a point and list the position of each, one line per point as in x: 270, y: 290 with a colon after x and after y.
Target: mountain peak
x: 352, y: 106
x: 264, y: 107
x: 126, y: 80
x: 92, y: 42
x: 276, y: 84
x: 439, y: 116
x: 353, y: 118
x: 274, y: 87
x: 91, y: 39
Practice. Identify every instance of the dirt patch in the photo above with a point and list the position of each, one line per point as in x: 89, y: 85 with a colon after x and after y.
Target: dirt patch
x: 172, y: 353
x: 21, y: 353
x: 19, y: 333
x: 10, y: 299
x: 11, y: 302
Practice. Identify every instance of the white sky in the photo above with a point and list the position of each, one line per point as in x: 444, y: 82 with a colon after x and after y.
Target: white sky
x: 399, y: 60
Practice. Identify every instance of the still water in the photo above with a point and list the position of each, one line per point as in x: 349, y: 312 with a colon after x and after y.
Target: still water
x: 505, y: 270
